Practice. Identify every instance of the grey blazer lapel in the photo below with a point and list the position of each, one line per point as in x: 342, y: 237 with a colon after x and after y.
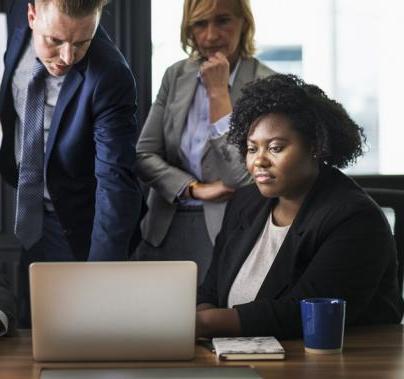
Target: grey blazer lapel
x: 245, y: 74
x: 186, y: 86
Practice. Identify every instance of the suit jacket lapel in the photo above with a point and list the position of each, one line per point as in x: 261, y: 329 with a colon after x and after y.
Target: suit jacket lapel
x: 186, y: 86
x: 279, y: 276
x: 285, y: 266
x: 243, y: 240
x: 244, y: 75
x: 68, y: 90
x: 15, y: 49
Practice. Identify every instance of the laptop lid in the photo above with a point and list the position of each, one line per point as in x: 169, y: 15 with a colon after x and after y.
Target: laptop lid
x: 93, y: 311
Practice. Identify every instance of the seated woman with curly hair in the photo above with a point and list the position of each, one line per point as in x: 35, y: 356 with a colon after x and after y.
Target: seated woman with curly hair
x: 304, y: 229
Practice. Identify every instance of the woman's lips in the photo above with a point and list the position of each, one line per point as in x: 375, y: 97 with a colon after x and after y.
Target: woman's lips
x: 264, y: 178
x: 214, y: 50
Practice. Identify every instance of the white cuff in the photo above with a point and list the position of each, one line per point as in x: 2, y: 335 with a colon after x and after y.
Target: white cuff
x: 3, y: 323
x: 220, y: 127
x: 183, y: 188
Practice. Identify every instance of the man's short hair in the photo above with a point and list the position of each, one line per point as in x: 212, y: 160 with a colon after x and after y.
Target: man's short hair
x: 76, y: 8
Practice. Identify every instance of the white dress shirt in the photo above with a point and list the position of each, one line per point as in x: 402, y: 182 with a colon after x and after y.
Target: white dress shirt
x: 21, y: 79
x: 199, y: 130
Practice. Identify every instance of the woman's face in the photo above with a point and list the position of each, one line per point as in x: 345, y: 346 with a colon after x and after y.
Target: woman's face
x: 279, y: 159
x: 219, y: 31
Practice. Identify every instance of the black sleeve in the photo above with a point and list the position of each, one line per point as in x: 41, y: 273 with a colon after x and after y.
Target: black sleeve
x: 208, y: 290
x: 350, y: 264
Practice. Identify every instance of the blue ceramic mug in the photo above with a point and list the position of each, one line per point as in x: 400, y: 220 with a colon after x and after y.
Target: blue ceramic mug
x: 323, y: 321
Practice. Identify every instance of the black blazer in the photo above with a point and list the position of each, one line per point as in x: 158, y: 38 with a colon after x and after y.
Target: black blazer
x: 339, y: 245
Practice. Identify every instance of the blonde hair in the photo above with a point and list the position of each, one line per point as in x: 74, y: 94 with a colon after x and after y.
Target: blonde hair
x: 194, y: 10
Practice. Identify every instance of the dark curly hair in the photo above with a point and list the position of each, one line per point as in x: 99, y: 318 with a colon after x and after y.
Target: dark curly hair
x: 335, y: 138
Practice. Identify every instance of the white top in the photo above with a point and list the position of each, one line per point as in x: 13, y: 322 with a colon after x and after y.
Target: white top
x: 255, y: 268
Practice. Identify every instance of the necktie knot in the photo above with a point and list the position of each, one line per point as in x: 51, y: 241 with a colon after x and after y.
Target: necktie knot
x: 38, y: 70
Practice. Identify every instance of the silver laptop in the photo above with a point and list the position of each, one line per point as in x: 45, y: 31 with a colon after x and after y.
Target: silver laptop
x: 113, y: 311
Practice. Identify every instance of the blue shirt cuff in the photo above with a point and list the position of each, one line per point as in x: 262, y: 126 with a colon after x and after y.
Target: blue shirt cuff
x: 3, y: 323
x: 220, y: 127
x: 182, y: 189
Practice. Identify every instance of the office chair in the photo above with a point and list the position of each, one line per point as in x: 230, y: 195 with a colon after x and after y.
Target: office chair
x: 394, y: 200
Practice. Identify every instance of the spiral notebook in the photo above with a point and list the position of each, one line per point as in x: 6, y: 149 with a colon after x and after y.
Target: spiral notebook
x: 248, y: 348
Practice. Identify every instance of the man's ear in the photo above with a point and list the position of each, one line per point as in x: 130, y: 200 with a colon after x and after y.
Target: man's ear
x: 31, y: 14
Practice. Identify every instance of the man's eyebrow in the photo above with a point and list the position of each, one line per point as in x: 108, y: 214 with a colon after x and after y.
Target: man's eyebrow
x: 84, y: 40
x: 61, y: 40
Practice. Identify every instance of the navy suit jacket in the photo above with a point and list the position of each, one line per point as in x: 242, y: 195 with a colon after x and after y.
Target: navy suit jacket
x: 90, y: 152
x: 339, y: 245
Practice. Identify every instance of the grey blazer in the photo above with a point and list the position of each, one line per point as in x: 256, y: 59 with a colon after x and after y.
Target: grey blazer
x: 158, y: 149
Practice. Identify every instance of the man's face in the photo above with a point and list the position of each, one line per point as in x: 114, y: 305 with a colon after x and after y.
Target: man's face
x: 60, y: 41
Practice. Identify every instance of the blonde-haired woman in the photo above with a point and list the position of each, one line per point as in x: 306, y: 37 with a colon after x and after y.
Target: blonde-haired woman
x: 182, y: 153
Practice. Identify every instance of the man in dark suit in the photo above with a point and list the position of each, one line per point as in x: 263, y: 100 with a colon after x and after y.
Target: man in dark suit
x: 89, y: 201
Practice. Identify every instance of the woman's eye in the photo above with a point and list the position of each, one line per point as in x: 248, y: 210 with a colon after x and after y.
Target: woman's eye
x: 200, y: 24
x: 250, y: 150
x: 276, y: 149
x: 223, y: 20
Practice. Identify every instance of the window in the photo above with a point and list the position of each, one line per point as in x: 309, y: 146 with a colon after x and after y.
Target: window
x: 351, y: 49
x: 166, y: 45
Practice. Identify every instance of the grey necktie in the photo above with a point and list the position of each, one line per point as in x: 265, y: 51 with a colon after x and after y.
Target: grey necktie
x: 30, y: 190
